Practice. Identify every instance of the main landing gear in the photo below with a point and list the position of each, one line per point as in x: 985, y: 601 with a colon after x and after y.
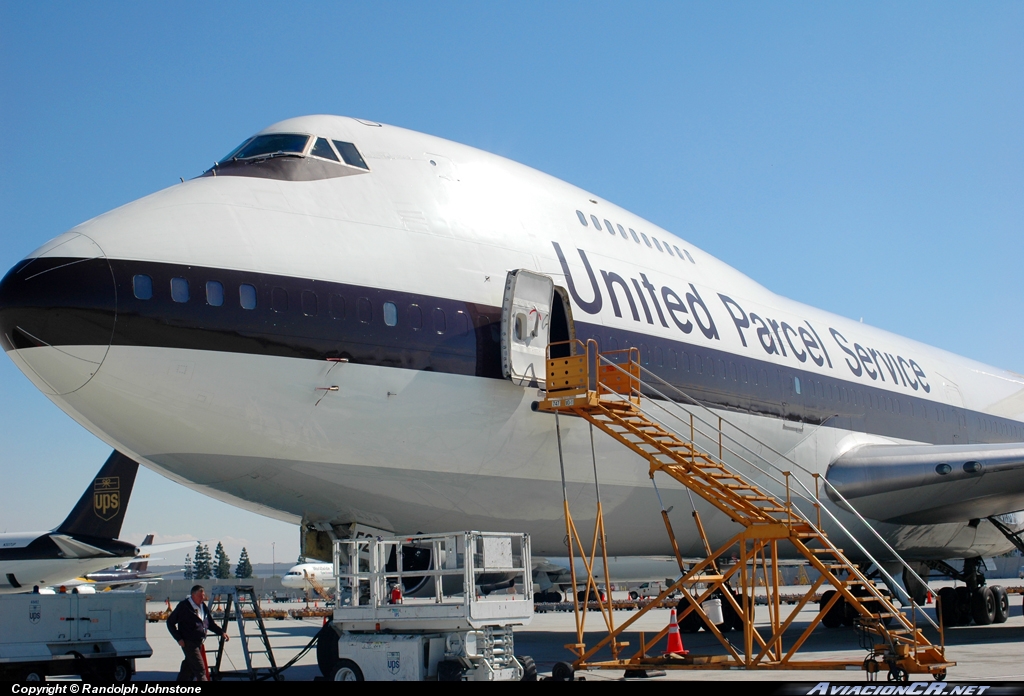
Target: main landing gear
x: 974, y: 601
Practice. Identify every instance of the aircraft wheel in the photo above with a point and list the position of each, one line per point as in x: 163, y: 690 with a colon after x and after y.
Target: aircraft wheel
x: 347, y: 670
x: 562, y: 671
x: 1002, y: 604
x: 691, y: 623
x: 733, y: 620
x: 983, y: 606
x: 963, y: 604
x: 949, y: 615
x: 529, y: 668
x: 834, y: 617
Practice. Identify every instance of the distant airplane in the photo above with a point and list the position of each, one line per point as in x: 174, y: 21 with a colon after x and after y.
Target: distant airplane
x: 344, y: 323
x: 303, y: 575
x: 84, y: 543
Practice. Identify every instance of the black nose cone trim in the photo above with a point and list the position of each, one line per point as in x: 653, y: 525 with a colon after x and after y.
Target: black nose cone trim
x: 57, y: 302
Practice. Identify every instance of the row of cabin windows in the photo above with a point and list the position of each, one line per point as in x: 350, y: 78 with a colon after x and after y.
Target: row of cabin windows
x: 712, y: 367
x: 682, y: 254
x: 309, y: 304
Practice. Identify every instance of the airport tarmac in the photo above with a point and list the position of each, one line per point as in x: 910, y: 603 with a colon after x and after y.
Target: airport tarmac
x: 982, y: 653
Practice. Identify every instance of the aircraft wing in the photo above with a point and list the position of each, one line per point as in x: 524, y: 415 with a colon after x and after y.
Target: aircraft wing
x: 931, y: 484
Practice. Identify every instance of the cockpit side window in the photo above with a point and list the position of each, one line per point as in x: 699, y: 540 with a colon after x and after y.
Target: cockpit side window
x: 322, y: 148
x: 272, y: 145
x: 350, y: 154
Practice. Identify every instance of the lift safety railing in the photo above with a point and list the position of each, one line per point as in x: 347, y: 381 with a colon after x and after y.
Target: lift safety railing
x: 610, y: 398
x: 813, y: 498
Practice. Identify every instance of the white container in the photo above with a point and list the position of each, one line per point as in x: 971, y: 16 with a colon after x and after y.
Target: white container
x: 713, y: 608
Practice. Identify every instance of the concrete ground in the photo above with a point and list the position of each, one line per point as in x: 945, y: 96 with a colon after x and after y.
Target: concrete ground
x: 982, y: 653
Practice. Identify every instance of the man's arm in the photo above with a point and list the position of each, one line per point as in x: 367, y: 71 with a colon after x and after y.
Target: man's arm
x: 172, y: 625
x: 211, y: 624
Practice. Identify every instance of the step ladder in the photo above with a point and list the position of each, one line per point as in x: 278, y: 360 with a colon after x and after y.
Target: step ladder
x: 605, y: 389
x: 242, y: 600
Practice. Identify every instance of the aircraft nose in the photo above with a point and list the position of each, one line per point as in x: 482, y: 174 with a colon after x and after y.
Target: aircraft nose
x: 57, y: 312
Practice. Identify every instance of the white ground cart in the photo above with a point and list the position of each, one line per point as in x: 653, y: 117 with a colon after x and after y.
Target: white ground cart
x: 432, y: 606
x: 98, y: 636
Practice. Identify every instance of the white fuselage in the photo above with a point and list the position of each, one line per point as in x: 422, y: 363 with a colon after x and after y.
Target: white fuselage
x: 403, y: 447
x: 299, y: 576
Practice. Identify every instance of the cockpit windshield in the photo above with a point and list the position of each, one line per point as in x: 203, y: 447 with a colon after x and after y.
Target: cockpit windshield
x: 270, y: 145
x: 291, y: 157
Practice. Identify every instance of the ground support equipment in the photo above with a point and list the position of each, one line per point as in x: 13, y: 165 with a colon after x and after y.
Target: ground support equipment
x: 451, y: 621
x: 605, y: 389
x: 97, y: 636
x: 242, y: 600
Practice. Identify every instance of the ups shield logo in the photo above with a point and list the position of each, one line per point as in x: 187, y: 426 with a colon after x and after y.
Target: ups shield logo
x: 106, y: 497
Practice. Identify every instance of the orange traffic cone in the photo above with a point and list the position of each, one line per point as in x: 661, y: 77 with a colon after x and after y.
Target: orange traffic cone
x: 929, y: 600
x: 675, y: 643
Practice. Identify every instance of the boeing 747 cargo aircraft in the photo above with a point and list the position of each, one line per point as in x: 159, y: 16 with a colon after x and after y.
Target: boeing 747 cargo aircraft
x: 313, y: 330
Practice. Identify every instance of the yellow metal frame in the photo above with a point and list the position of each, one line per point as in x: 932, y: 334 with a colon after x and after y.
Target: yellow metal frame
x: 605, y: 390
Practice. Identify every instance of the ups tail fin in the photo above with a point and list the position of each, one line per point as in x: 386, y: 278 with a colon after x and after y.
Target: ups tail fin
x: 142, y: 566
x: 100, y: 510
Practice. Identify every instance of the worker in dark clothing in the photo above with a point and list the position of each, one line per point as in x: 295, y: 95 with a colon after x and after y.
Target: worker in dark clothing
x: 188, y: 624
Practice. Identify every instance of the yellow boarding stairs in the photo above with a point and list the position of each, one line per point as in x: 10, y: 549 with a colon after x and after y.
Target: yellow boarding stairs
x: 317, y: 587
x: 605, y: 389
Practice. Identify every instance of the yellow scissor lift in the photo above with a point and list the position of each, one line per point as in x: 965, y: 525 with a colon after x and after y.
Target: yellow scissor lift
x: 605, y: 389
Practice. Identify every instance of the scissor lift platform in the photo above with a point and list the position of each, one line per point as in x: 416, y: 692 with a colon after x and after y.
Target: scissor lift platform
x: 451, y: 621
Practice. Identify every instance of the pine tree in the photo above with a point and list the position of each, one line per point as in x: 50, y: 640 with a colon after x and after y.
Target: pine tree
x: 221, y: 563
x: 189, y: 573
x: 201, y: 566
x: 244, y: 568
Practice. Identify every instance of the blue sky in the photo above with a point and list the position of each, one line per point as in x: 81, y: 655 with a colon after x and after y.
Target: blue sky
x: 866, y: 158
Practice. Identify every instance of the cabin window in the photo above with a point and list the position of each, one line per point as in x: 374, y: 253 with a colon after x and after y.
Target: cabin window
x: 796, y: 385
x: 598, y: 224
x: 582, y: 217
x: 142, y: 285
x: 308, y: 299
x: 247, y: 296
x: 279, y: 300
x: 179, y: 289
x: 678, y: 252
x: 461, y: 323
x: 336, y: 306
x: 657, y: 244
x: 635, y: 238
x: 415, y: 317
x: 612, y: 229
x: 645, y: 354
x: 689, y: 257
x: 390, y: 313
x: 669, y: 250
x: 322, y: 148
x: 646, y: 240
x: 350, y: 154
x: 214, y: 293
x: 364, y: 310
x: 659, y: 356
x: 440, y: 325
